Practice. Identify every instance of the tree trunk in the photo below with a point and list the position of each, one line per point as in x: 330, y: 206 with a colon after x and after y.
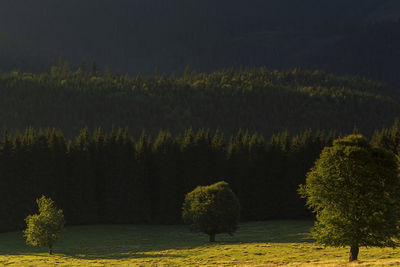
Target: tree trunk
x: 212, y: 237
x: 50, y: 250
x: 353, y: 253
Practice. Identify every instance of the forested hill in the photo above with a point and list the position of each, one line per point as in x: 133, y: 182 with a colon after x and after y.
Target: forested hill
x: 256, y: 99
x: 357, y: 37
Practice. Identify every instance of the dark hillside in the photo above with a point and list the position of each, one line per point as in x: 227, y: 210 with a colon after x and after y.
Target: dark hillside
x: 132, y: 36
x: 257, y: 99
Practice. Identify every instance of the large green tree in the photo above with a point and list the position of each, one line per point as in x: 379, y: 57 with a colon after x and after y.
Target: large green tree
x: 354, y: 189
x: 212, y: 209
x: 45, y: 228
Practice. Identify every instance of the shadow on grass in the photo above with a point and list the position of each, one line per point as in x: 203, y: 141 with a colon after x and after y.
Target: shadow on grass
x: 100, y: 256
x: 120, y: 256
x: 152, y: 241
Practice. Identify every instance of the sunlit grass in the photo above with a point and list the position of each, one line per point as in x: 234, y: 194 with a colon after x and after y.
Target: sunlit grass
x: 271, y: 243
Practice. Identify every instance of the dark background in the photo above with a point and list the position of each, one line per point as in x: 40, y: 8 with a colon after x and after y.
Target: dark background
x: 359, y: 37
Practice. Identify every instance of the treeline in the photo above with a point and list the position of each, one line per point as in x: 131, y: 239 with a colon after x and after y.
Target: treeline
x: 388, y: 138
x: 111, y: 178
x: 255, y: 99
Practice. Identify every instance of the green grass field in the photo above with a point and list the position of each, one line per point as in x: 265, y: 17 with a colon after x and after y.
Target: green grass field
x: 273, y: 243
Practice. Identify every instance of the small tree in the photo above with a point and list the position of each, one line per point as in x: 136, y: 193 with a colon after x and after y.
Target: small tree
x: 45, y: 228
x: 354, y: 189
x: 212, y: 209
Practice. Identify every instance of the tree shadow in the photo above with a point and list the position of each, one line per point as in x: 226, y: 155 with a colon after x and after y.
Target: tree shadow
x: 100, y: 256
x: 119, y: 256
x: 147, y: 241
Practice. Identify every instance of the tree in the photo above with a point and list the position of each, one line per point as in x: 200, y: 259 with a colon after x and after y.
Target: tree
x: 354, y: 189
x: 212, y: 209
x: 45, y: 228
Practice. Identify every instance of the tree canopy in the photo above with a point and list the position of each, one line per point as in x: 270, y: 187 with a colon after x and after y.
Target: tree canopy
x: 354, y: 189
x: 45, y: 228
x: 212, y: 209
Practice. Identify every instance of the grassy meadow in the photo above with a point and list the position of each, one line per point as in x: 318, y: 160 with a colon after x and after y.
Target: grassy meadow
x: 272, y: 243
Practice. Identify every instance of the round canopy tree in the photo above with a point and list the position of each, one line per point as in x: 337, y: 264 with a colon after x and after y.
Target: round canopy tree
x: 212, y: 209
x: 354, y: 189
x: 45, y: 228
